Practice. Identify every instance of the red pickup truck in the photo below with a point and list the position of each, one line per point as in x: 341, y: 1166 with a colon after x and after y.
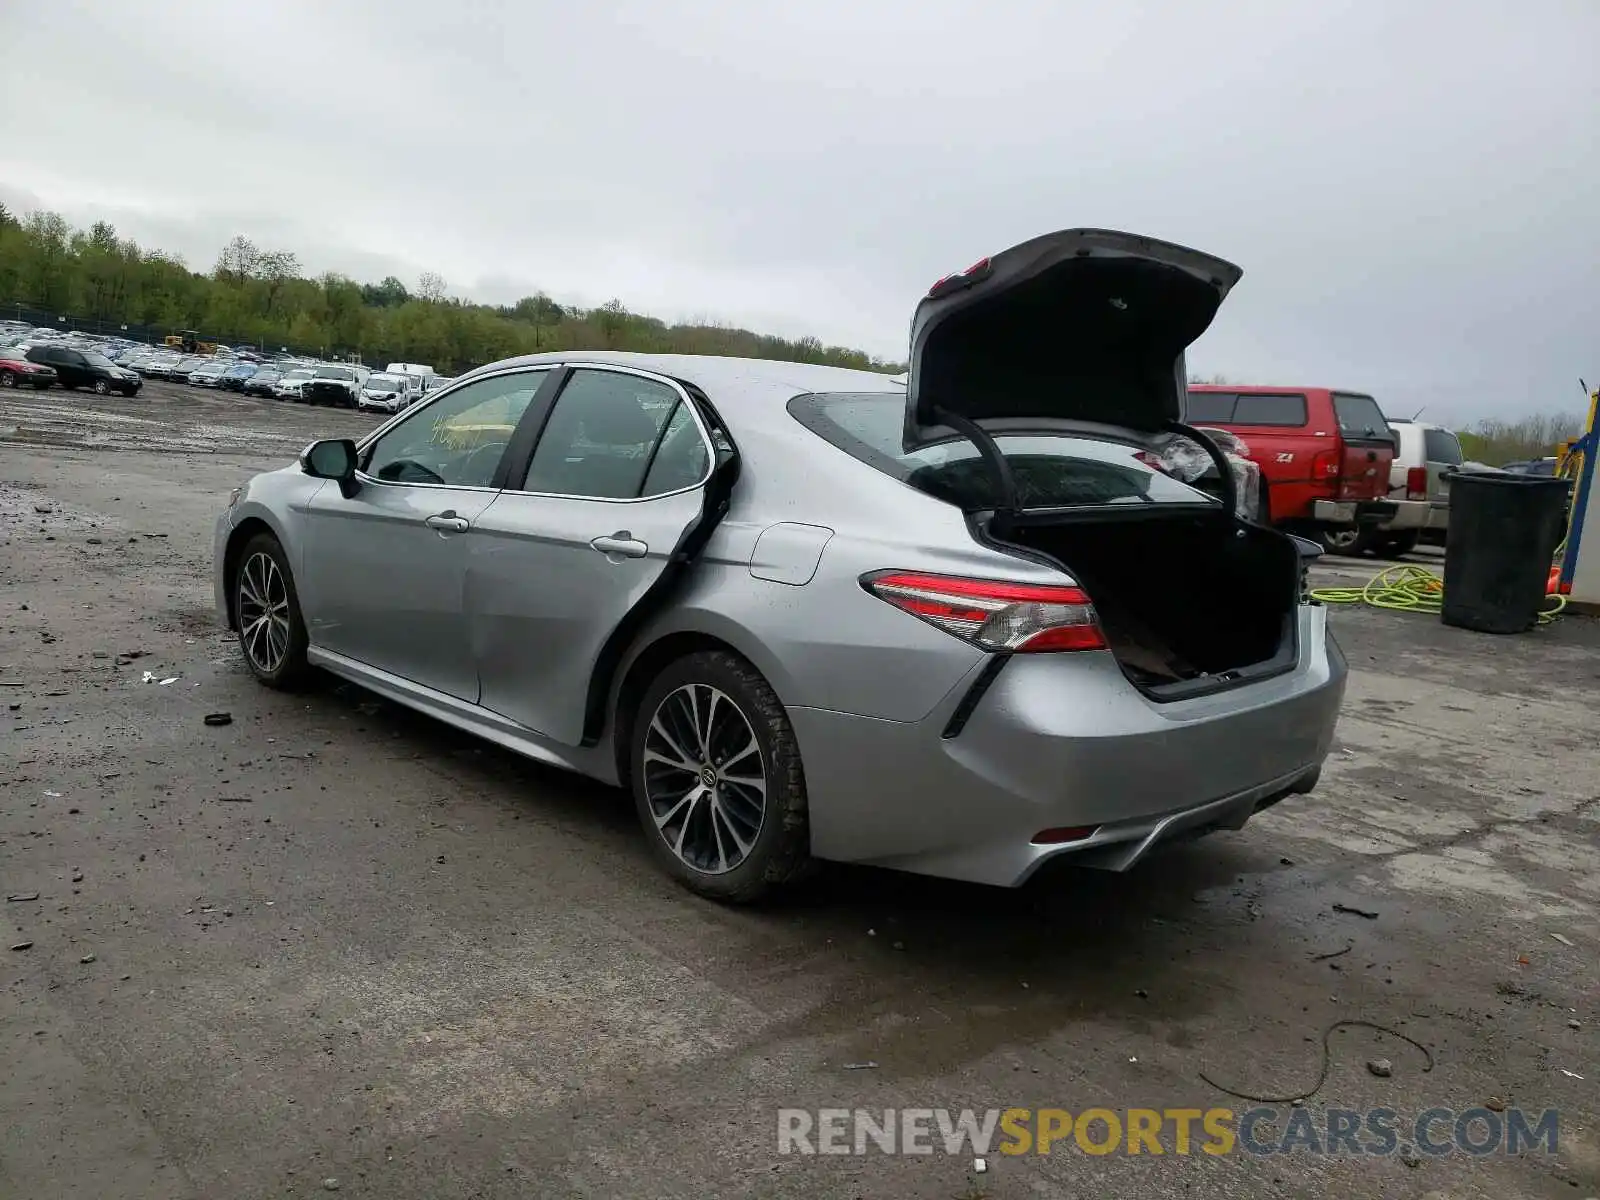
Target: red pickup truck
x: 1324, y: 456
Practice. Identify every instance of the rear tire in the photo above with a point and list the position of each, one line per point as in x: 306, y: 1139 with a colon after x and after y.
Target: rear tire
x: 8, y: 379
x: 266, y: 608
x: 102, y: 388
x: 717, y: 781
x: 1338, y: 539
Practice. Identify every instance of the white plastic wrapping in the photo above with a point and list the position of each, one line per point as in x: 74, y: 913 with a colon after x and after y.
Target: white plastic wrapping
x: 1186, y: 459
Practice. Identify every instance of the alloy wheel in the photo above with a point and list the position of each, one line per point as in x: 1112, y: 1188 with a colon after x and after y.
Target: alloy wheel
x: 7, y: 379
x: 1341, y: 540
x: 705, y: 778
x: 101, y: 387
x: 263, y: 613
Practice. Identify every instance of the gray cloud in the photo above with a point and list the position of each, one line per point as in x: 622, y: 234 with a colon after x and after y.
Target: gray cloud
x: 1411, y: 188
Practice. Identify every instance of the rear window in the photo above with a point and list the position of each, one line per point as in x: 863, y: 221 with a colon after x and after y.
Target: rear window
x: 1261, y: 409
x: 1441, y: 446
x: 1209, y: 408
x: 1359, y: 416
x: 1050, y: 471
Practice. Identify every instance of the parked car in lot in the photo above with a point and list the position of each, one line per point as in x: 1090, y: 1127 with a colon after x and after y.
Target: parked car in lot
x: 236, y: 376
x: 1419, y: 484
x: 262, y: 382
x: 17, y: 371
x: 208, y: 375
x: 1324, y: 455
x: 335, y: 384
x: 288, y: 388
x: 383, y: 392
x: 86, y: 368
x: 960, y: 627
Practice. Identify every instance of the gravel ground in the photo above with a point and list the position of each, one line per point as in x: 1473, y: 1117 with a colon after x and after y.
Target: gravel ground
x: 333, y: 941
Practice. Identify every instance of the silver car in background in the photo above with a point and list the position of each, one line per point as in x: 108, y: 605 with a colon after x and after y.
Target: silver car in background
x: 959, y: 625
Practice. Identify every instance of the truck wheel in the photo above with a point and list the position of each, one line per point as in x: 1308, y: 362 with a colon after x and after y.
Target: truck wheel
x: 1342, y: 539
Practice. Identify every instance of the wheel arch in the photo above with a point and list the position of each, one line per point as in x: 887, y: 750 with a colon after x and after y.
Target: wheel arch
x: 663, y: 647
x: 245, y: 529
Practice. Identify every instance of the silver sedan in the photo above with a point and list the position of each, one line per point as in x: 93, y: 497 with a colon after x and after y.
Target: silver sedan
x: 958, y: 623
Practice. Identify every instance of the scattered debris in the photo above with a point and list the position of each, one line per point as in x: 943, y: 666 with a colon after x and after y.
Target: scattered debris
x: 234, y: 800
x: 1569, y: 1074
x: 898, y: 946
x: 86, y: 959
x: 331, y: 1185
x: 46, y: 636
x: 77, y: 876
x: 219, y: 718
x: 1495, y: 1104
x: 54, y: 795
x: 22, y: 946
x: 861, y: 1066
x: 1355, y: 912
x: 1141, y: 993
x: 1562, y: 938
x: 1349, y: 946
x: 1410, y: 1157
x: 43, y: 508
x: 94, y: 541
x: 980, y: 1165
x: 1287, y: 862
x: 1572, y: 1024
x: 169, y: 679
x: 24, y: 897
x: 1381, y: 1067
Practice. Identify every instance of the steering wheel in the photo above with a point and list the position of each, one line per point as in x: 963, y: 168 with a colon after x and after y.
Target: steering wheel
x: 471, y: 465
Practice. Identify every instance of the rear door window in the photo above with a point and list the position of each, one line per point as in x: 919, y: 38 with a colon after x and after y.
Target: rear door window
x: 1359, y: 416
x: 1051, y: 471
x: 1260, y: 409
x: 1441, y: 446
x: 601, y: 436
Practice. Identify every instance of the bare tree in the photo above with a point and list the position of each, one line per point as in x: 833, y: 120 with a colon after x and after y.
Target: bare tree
x: 430, y: 286
x: 239, y: 260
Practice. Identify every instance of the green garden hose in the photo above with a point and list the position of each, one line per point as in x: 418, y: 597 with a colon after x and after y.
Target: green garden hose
x: 1410, y: 588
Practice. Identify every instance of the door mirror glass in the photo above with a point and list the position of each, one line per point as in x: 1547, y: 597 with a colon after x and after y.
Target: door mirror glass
x: 332, y: 458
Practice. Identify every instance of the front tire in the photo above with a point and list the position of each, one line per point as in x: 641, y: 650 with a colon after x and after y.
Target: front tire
x: 8, y: 379
x: 266, y: 607
x: 717, y: 781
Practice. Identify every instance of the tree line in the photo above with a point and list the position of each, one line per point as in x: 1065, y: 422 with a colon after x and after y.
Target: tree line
x: 261, y: 297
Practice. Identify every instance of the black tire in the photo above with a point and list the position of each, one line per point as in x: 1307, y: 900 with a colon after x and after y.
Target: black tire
x: 1338, y: 539
x: 290, y: 670
x: 779, y: 852
x: 8, y: 379
x: 1396, y: 545
x: 102, y: 387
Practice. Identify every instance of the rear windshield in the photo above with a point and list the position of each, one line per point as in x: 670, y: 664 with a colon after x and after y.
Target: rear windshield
x: 1359, y: 416
x: 1050, y: 471
x: 1245, y: 408
x: 1441, y: 446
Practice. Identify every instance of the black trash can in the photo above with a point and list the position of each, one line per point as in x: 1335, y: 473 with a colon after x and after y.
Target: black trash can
x: 1504, y: 530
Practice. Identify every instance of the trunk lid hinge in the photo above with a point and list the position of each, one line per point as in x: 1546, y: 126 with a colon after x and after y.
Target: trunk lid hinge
x: 1230, y: 487
x: 1006, y: 508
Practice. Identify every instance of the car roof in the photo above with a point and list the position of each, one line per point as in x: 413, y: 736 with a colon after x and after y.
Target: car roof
x: 741, y: 388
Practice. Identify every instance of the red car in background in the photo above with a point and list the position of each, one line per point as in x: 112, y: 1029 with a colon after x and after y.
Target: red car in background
x: 1324, y: 455
x: 17, y: 371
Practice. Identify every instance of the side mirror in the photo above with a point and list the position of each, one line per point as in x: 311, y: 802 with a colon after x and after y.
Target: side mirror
x: 332, y: 458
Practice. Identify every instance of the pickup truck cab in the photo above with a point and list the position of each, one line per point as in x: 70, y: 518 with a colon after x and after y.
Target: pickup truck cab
x: 1324, y: 455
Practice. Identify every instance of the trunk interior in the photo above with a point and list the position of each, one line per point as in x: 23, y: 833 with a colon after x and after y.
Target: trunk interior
x: 1189, y: 603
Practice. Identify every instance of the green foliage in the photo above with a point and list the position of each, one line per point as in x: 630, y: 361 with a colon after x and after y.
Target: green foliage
x: 255, y: 296
x: 1497, y: 442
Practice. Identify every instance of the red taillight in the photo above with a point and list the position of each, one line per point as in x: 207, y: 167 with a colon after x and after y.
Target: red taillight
x: 1022, y: 617
x: 1325, y: 464
x: 1417, y: 483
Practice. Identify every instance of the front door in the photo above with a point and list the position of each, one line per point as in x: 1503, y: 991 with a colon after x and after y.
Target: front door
x: 385, y: 569
x: 579, y: 536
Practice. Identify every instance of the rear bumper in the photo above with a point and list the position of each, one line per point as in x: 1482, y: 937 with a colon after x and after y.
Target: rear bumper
x: 1418, y: 516
x: 1353, y: 512
x: 1065, y: 741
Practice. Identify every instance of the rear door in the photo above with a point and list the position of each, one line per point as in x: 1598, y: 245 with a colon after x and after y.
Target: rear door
x: 1084, y: 326
x: 593, y: 518
x: 1367, y: 445
x: 385, y: 570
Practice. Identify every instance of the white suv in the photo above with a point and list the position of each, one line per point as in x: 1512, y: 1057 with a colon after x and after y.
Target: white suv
x: 1419, y: 482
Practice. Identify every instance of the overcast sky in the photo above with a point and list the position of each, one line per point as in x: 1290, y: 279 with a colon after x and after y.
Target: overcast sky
x: 1411, y: 186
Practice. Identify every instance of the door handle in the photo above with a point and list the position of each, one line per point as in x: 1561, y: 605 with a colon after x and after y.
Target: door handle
x: 448, y: 522
x: 622, y: 543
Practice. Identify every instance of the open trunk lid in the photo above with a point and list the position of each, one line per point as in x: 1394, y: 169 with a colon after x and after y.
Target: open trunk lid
x: 1082, y: 326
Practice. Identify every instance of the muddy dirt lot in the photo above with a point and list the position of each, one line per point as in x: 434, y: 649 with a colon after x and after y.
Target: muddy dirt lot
x: 333, y: 945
